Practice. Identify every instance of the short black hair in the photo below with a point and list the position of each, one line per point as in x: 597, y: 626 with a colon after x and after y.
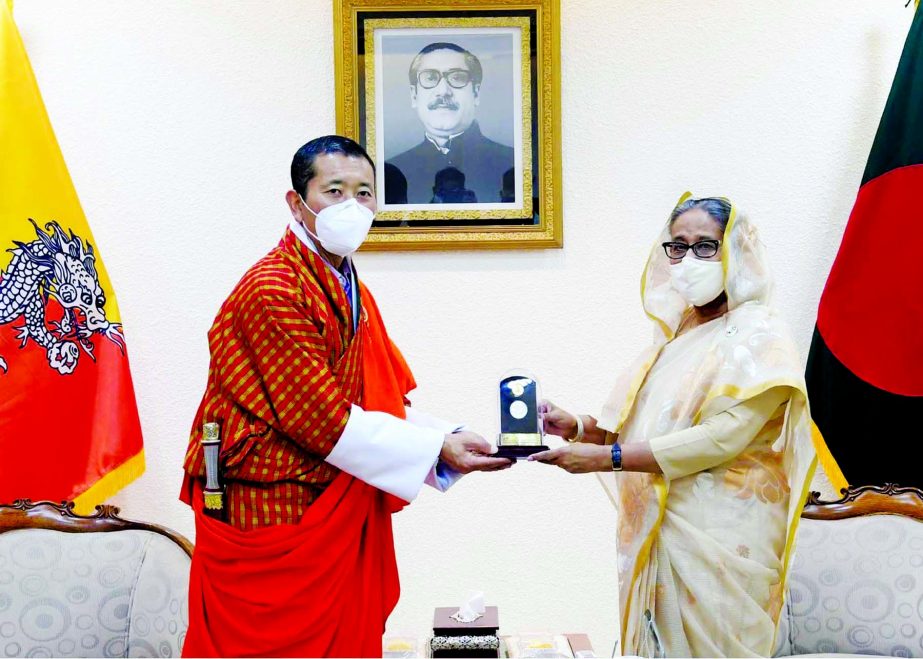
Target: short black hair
x: 449, y: 178
x: 473, y: 63
x: 303, y: 162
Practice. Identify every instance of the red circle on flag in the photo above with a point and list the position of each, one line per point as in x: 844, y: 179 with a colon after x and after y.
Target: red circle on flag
x: 871, y: 311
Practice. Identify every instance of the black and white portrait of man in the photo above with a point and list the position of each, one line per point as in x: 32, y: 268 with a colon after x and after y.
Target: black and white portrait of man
x: 451, y: 138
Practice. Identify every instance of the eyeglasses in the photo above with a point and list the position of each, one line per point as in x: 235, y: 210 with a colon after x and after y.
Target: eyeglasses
x: 457, y: 78
x: 703, y: 249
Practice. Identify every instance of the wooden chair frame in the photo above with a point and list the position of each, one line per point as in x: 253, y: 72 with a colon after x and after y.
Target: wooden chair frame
x: 24, y: 514
x: 867, y: 500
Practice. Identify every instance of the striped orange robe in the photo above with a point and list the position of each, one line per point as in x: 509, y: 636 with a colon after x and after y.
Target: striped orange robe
x: 306, y: 566
x: 284, y: 371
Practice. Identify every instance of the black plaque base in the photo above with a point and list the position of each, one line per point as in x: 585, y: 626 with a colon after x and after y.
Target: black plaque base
x: 518, y: 452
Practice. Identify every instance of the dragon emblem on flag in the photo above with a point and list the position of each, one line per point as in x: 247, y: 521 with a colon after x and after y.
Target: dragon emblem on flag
x: 56, y: 266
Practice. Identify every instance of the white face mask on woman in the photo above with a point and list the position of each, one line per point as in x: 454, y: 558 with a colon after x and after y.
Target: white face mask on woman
x: 698, y: 281
x: 342, y: 227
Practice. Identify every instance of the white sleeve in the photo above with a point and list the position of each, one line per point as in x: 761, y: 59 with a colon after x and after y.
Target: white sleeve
x: 424, y: 420
x: 441, y: 477
x: 386, y: 452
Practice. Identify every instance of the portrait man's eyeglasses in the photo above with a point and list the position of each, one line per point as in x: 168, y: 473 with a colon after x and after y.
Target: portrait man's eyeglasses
x: 457, y: 78
x: 703, y: 249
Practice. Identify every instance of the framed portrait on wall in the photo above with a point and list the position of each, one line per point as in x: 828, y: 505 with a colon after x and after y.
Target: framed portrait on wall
x: 460, y: 110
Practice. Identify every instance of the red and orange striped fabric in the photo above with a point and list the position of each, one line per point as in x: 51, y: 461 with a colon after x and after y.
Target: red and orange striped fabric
x: 295, y: 573
x: 284, y: 370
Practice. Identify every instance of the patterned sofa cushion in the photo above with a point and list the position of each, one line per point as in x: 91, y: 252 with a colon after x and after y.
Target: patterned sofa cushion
x: 112, y: 594
x: 856, y: 586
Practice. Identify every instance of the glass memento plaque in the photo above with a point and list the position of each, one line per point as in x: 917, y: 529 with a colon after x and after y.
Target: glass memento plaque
x: 520, y: 420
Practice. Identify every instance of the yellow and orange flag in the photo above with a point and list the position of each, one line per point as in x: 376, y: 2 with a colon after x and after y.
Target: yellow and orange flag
x: 69, y: 426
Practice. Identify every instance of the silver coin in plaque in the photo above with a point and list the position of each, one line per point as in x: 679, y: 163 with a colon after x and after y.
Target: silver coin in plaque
x: 520, y: 421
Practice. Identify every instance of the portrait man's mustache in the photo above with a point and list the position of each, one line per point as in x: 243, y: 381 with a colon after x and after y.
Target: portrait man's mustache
x: 443, y: 102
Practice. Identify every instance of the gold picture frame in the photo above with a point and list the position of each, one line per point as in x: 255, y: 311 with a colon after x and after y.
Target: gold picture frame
x: 491, y: 134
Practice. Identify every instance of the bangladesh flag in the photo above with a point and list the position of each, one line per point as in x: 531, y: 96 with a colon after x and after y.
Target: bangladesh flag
x: 865, y: 368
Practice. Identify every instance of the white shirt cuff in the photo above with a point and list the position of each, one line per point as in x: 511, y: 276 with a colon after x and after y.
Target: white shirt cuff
x: 441, y: 477
x: 392, y: 454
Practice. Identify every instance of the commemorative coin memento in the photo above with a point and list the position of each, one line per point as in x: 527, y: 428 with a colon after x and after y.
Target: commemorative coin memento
x: 520, y: 421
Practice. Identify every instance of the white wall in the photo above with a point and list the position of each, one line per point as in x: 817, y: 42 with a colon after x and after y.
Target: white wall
x: 178, y: 121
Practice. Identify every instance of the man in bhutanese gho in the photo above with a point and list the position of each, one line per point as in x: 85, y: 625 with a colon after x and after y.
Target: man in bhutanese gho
x: 317, y: 445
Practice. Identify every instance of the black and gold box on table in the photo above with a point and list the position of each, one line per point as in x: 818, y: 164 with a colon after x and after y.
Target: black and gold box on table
x: 453, y: 638
x: 520, y: 419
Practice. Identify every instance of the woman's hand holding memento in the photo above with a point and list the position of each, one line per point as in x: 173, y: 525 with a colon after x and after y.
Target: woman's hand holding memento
x: 578, y: 458
x: 556, y: 421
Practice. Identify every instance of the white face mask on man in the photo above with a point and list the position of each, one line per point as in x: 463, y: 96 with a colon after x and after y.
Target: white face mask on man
x: 342, y: 227
x: 698, y: 281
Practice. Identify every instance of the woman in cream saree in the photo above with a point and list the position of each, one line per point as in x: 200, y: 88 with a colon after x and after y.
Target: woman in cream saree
x: 714, y: 439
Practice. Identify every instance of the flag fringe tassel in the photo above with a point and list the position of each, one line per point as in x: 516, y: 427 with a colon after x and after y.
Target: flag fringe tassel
x: 109, y: 484
x: 827, y: 461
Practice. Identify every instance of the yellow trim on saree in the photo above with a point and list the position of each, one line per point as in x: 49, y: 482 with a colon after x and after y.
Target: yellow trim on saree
x: 644, y: 553
x: 636, y: 383
x: 746, y: 393
x: 790, y: 541
x: 825, y: 458
x: 667, y: 331
x: 725, y: 245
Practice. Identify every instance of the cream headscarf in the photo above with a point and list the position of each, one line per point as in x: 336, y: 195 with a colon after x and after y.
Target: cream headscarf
x: 746, y: 273
x: 748, y: 285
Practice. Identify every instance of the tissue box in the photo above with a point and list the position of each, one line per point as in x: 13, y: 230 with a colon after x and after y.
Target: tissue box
x: 477, y: 638
x: 445, y: 625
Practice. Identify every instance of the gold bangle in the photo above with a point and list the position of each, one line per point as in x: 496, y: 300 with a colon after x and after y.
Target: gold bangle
x: 579, y: 435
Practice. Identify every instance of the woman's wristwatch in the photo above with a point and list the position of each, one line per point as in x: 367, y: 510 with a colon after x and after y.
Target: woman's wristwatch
x: 616, y: 457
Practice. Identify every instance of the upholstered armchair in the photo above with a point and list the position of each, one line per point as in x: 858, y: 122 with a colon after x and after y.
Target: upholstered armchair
x: 856, y: 580
x: 90, y: 586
